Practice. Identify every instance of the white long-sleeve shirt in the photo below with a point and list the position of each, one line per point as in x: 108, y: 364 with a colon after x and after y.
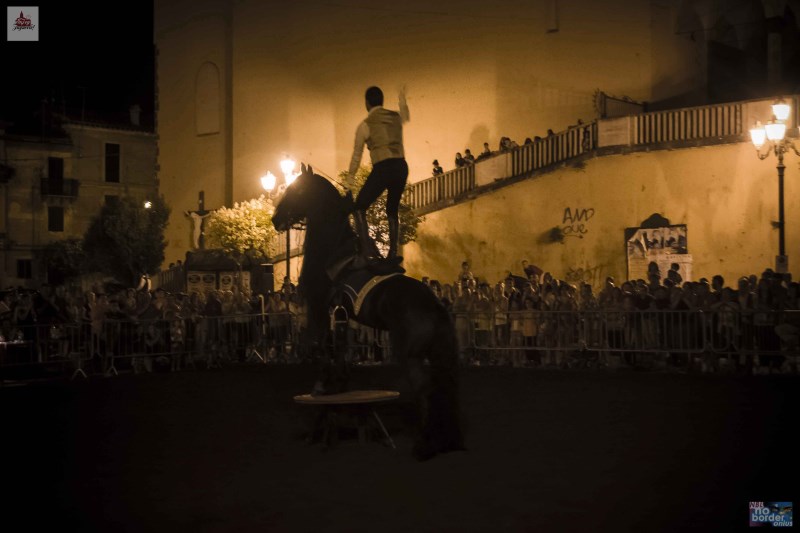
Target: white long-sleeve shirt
x: 382, y: 132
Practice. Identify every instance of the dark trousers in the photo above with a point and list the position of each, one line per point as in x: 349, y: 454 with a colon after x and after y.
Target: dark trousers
x: 387, y: 175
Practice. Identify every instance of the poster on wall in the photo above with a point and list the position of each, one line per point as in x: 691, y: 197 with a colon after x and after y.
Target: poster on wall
x: 666, y: 246
x: 226, y: 280
x: 209, y: 281
x: 200, y: 281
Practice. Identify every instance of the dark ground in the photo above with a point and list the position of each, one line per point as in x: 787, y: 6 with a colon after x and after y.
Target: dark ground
x: 548, y: 451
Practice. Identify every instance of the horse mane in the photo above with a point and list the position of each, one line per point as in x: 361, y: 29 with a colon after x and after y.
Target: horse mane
x: 329, y: 236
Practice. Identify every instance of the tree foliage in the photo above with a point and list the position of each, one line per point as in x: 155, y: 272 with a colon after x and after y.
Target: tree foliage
x: 65, y: 259
x: 244, y: 229
x: 376, y: 214
x: 126, y: 239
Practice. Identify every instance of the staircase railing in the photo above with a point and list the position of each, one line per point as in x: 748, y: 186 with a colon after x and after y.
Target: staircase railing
x: 723, y: 120
x: 719, y: 121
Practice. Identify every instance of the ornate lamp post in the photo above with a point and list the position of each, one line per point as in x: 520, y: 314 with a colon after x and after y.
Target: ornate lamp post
x: 268, y: 182
x: 774, y: 135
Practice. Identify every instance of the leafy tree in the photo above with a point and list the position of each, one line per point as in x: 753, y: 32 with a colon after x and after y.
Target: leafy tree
x: 244, y: 229
x: 127, y: 239
x: 64, y: 259
x: 376, y: 214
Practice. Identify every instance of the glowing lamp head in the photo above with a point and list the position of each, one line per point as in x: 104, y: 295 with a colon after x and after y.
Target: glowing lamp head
x: 781, y: 110
x: 287, y: 166
x: 775, y: 130
x: 268, y: 181
x: 758, y: 135
x: 148, y: 204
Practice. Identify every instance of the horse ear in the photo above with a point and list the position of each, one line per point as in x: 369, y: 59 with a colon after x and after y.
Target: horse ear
x: 309, y: 169
x: 302, y: 168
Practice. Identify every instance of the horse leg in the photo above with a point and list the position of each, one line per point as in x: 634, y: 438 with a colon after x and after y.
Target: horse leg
x: 434, y: 389
x: 441, y: 425
x: 418, y: 380
x: 333, y: 374
x: 443, y: 417
x: 436, y: 398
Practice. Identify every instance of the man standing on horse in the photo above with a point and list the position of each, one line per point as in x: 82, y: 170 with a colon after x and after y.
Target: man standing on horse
x: 382, y: 132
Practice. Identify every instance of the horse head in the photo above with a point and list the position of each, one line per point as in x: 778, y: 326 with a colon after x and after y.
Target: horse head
x: 293, y: 205
x: 310, y: 196
x: 314, y: 200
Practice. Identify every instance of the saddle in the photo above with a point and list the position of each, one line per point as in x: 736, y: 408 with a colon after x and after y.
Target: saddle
x: 377, y: 267
x: 352, y: 282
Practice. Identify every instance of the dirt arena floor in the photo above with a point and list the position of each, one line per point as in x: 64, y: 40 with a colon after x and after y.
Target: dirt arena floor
x: 548, y: 451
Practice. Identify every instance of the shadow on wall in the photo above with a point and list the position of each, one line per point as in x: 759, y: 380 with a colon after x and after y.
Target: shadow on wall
x: 440, y: 258
x: 552, y: 236
x: 479, y: 135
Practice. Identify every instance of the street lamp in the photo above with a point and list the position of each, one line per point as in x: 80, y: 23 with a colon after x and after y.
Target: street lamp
x: 287, y: 166
x: 268, y: 182
x: 774, y: 135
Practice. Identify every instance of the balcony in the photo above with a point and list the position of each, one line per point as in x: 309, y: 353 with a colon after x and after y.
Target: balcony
x: 63, y: 188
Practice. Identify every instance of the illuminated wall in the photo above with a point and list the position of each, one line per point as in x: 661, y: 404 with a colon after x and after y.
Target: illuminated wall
x: 292, y: 76
x: 724, y: 194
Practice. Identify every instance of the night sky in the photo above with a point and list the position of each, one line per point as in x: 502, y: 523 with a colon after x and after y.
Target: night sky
x: 104, y: 53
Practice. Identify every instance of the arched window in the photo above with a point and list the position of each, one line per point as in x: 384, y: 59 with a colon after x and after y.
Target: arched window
x: 207, y: 99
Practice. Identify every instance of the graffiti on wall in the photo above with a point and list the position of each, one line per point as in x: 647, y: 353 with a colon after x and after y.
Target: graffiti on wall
x: 573, y: 222
x: 588, y: 274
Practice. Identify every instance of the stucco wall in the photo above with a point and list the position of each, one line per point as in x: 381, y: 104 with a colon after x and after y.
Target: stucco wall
x: 724, y: 194
x: 294, y: 74
x: 189, y: 35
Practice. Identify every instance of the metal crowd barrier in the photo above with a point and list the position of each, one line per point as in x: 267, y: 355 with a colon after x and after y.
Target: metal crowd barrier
x: 750, y: 338
x: 111, y: 346
x: 758, y: 338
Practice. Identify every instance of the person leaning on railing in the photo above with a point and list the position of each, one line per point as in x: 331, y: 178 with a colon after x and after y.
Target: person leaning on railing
x: 462, y: 310
x: 531, y: 315
x: 487, y: 152
x: 482, y: 316
x: 500, y: 306
x: 764, y: 320
x: 516, y: 337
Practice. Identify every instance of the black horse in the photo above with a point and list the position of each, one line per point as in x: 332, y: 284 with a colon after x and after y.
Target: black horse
x: 421, y: 332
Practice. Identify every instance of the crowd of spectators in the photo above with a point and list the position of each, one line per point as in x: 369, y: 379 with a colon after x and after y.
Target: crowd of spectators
x: 507, y: 144
x: 549, y: 317
x: 146, y: 327
x: 525, y: 319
